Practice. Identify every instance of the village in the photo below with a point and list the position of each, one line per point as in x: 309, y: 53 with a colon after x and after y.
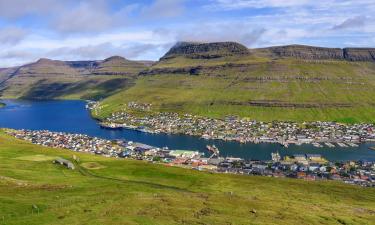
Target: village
x: 319, y: 134
x: 301, y: 166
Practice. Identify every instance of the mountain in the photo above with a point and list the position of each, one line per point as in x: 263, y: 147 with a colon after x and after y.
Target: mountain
x: 205, y: 50
x: 319, y: 53
x: 293, y: 82
x: 48, y: 78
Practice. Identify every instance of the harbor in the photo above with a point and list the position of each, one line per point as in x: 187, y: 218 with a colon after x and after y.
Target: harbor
x: 240, y: 130
x: 73, y: 117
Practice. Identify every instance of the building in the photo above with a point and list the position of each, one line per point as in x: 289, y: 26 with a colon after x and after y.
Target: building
x: 64, y: 162
x: 314, y: 157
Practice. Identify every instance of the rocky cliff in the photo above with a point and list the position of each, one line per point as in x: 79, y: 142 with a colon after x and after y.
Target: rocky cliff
x: 220, y: 49
x: 306, y: 52
x: 320, y: 53
x: 205, y: 50
x: 359, y: 54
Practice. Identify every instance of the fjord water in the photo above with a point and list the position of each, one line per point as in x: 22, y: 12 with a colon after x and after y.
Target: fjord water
x: 71, y: 116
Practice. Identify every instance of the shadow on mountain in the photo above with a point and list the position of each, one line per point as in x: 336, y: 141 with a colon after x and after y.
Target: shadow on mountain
x: 95, y: 89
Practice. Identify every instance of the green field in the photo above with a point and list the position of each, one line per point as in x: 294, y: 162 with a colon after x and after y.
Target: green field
x: 112, y: 191
x: 252, y: 87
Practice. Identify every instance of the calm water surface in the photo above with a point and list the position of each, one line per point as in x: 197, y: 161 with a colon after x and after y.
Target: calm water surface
x: 71, y: 116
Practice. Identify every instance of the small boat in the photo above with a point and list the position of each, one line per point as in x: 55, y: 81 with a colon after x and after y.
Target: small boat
x: 112, y: 126
x: 317, y: 145
x: 213, y: 149
x: 352, y: 145
x: 342, y: 145
x: 329, y: 145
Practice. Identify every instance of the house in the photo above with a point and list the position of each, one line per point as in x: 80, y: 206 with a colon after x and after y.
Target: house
x: 301, y: 175
x: 314, y: 157
x: 323, y: 169
x: 314, y: 167
x: 184, y: 154
x: 64, y: 162
x: 299, y: 157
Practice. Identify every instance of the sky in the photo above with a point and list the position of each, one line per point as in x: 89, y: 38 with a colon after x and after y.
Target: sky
x: 146, y: 29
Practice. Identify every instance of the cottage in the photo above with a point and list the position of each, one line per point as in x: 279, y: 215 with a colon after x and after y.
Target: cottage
x: 64, y: 162
x: 314, y: 157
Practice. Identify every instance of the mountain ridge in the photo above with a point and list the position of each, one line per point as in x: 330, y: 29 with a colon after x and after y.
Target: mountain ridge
x: 287, y: 83
x: 48, y: 78
x: 222, y: 49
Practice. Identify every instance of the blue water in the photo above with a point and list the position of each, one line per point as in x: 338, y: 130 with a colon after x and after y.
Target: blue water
x: 71, y: 116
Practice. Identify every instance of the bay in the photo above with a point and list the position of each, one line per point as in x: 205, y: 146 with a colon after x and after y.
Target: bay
x: 72, y: 116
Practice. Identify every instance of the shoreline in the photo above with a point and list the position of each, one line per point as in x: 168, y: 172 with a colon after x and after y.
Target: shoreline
x: 139, y: 117
x: 310, y: 167
x: 314, y: 143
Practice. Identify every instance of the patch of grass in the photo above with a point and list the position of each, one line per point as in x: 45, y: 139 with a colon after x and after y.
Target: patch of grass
x: 92, y: 165
x: 36, y: 158
x: 137, y: 192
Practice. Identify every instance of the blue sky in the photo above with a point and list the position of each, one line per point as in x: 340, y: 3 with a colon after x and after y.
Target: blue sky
x: 146, y: 29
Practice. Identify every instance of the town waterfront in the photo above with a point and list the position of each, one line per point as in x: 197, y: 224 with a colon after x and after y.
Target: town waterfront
x: 72, y: 116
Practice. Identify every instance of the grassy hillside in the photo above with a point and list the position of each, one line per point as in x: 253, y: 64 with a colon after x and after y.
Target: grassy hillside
x: 256, y: 86
x: 48, y: 79
x: 110, y: 191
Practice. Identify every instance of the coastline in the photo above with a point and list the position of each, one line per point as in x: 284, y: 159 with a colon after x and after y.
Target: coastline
x: 286, y: 144
x: 74, y: 118
x: 329, y: 134
x: 310, y: 167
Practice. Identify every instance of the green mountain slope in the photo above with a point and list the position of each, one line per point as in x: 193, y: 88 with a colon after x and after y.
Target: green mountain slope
x: 102, y: 190
x: 47, y: 79
x: 278, y: 83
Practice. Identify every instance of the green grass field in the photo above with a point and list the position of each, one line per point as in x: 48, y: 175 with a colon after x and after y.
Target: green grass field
x: 339, y: 91
x: 112, y: 191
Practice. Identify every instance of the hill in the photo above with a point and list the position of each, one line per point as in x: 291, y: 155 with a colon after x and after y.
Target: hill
x: 111, y: 191
x: 47, y: 79
x: 296, y: 82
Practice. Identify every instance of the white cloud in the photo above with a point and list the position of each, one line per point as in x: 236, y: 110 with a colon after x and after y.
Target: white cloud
x: 354, y: 22
x: 12, y: 35
x: 85, y: 17
x: 13, y: 9
x: 94, y: 29
x: 164, y: 9
x: 241, y: 4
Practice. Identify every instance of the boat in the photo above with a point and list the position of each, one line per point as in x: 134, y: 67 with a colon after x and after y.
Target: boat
x: 342, y: 144
x: 213, y: 149
x: 372, y: 148
x: 329, y: 145
x: 317, y: 145
x: 352, y: 145
x: 285, y: 144
x: 112, y: 126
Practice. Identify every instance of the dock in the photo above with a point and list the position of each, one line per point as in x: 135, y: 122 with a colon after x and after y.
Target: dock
x: 329, y: 145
